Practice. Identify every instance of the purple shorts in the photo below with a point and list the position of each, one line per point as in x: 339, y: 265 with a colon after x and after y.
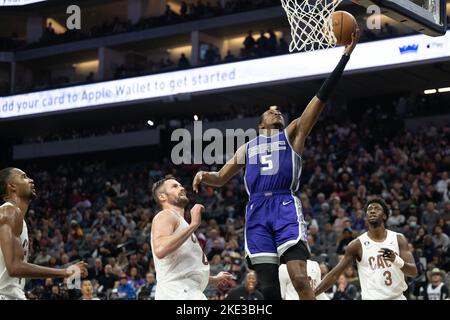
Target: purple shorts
x: 274, y: 223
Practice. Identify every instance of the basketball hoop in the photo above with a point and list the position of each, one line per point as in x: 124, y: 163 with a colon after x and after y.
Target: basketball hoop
x: 311, y: 23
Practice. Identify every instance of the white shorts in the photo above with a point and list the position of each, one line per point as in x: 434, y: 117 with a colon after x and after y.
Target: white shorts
x: 179, y: 290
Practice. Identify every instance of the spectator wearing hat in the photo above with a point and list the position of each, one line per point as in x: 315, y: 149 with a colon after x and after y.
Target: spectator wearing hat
x: 125, y: 290
x: 436, y: 289
x: 247, y: 291
x: 237, y: 267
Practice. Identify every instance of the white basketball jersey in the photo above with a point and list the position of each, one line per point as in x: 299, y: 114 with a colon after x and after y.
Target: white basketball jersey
x: 288, y: 291
x: 13, y: 288
x: 379, y: 278
x: 434, y: 293
x: 187, y: 262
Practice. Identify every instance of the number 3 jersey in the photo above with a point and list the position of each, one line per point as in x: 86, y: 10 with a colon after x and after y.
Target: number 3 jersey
x: 379, y: 278
x: 13, y: 288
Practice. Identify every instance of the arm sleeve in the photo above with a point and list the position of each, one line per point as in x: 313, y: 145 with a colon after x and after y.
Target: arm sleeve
x: 332, y: 80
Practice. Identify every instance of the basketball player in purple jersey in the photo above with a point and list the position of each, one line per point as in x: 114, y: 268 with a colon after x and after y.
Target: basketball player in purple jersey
x: 275, y: 229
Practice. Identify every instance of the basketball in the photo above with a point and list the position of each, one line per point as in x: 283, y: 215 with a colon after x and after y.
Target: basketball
x: 344, y: 25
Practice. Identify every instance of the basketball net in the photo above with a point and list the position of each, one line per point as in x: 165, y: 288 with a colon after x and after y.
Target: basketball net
x: 311, y: 23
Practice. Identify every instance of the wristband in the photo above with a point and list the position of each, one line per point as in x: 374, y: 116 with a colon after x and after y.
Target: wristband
x: 399, y: 262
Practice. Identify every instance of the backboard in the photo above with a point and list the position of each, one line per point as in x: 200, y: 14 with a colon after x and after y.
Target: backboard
x: 426, y: 16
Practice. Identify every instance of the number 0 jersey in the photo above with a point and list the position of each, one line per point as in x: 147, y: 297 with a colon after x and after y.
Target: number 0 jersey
x: 188, y: 262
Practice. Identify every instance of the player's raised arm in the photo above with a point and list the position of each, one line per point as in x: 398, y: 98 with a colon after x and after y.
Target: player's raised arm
x: 351, y: 253
x: 405, y: 260
x: 299, y: 129
x: 13, y: 254
x: 218, y: 179
x: 163, y: 227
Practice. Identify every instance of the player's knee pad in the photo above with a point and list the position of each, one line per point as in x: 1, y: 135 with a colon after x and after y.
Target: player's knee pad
x: 268, y: 280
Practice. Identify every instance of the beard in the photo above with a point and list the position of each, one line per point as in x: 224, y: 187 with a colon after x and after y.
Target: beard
x: 180, y: 201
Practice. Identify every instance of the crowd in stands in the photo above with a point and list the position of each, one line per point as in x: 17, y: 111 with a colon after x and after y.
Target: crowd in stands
x: 267, y: 44
x: 187, y: 12
x: 101, y: 211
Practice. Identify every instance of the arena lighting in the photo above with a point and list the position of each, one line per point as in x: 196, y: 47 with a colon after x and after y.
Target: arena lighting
x: 150, y: 123
x: 6, y: 3
x: 446, y: 89
x: 368, y: 56
x: 195, y: 117
x: 430, y: 91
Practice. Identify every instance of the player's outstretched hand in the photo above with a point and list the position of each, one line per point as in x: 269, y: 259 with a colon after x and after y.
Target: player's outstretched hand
x: 196, y: 215
x: 355, y: 38
x: 197, y: 180
x: 388, y: 254
x: 222, y: 279
x: 82, y: 266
